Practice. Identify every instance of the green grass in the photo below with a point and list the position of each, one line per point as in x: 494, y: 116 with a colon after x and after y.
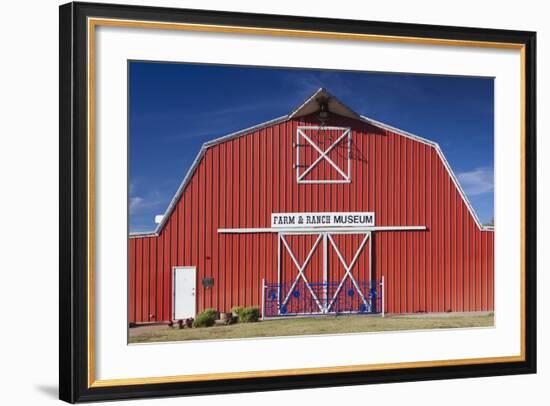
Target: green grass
x: 312, y: 325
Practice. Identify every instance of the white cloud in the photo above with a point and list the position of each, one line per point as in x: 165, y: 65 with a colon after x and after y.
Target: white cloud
x: 477, y: 181
x: 136, y: 202
x: 141, y: 204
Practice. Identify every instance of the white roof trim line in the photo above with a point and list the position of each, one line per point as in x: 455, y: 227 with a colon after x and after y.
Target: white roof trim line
x: 143, y: 234
x: 399, y: 131
x: 310, y: 98
x: 246, y: 131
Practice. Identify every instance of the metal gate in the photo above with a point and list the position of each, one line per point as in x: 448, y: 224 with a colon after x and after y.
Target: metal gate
x: 317, y: 291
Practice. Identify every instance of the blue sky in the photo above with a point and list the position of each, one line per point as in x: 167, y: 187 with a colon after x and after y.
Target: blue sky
x: 175, y: 108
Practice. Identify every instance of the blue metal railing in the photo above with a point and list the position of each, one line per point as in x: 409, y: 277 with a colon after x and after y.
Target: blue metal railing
x: 322, y: 298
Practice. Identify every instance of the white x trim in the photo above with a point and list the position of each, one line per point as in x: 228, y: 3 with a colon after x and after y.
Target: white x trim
x: 325, y: 305
x: 322, y: 155
x: 348, y: 269
x: 301, y: 271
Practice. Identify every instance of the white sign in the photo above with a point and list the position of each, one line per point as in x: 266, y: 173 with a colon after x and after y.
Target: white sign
x: 344, y: 219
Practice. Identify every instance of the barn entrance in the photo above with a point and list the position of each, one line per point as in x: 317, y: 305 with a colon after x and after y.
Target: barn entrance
x: 324, y: 263
x: 323, y: 273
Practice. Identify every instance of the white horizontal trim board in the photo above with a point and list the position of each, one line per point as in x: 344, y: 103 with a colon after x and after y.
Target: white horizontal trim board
x: 325, y: 181
x: 314, y: 230
x: 325, y: 127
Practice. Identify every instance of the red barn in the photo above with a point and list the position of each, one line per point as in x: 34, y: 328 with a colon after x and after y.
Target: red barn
x: 308, y: 213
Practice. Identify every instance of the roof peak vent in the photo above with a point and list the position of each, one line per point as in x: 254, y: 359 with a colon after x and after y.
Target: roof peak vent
x: 322, y: 103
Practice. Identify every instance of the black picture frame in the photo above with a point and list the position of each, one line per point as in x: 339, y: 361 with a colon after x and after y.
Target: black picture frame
x: 74, y: 384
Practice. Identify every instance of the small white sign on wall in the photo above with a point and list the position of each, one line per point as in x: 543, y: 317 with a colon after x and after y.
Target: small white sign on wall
x: 331, y: 219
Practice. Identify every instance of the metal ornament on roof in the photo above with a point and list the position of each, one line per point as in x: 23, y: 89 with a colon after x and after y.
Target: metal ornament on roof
x: 322, y: 136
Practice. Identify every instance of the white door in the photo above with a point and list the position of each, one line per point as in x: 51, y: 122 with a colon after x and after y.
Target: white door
x: 184, y: 292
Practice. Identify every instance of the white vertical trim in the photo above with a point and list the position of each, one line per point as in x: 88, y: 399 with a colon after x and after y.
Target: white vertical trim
x: 325, y: 271
x: 349, y: 156
x: 298, y: 155
x: 382, y: 298
x: 279, y: 273
x: 263, y: 298
x: 370, y: 257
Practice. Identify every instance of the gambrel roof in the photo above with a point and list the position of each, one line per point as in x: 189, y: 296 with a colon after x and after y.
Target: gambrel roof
x: 309, y: 106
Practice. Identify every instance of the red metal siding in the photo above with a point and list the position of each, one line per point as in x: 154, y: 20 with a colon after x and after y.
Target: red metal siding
x: 240, y: 182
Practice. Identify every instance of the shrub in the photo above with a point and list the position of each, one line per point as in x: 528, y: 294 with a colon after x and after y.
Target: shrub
x: 236, y: 310
x: 206, y: 318
x: 249, y: 315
